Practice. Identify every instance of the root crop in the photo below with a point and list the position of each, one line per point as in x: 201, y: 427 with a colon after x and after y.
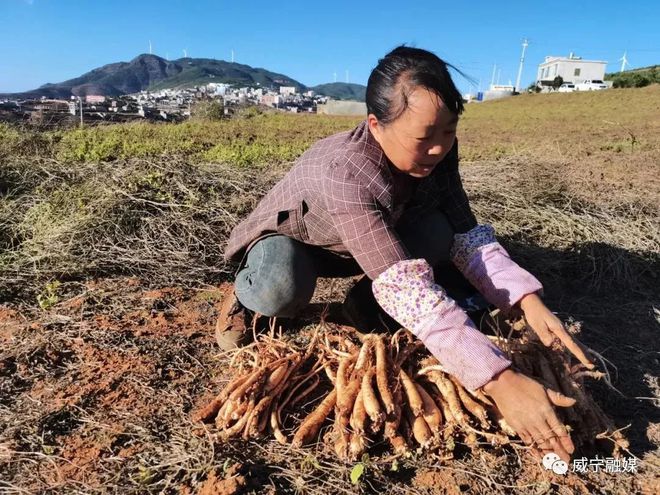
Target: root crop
x: 374, y: 388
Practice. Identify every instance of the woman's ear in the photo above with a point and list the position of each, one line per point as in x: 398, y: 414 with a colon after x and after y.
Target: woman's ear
x: 374, y: 126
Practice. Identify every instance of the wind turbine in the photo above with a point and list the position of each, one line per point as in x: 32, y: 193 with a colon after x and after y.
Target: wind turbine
x: 624, y: 61
x: 185, y: 53
x: 150, y: 51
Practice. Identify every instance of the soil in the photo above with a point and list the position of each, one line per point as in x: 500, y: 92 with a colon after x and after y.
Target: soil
x: 98, y: 392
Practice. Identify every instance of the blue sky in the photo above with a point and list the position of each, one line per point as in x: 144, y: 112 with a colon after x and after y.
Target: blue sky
x: 54, y: 40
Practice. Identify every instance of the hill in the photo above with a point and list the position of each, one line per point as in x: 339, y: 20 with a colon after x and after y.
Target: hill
x: 635, y: 78
x: 342, y: 91
x: 154, y: 72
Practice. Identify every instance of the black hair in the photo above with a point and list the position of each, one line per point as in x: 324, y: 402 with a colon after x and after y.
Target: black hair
x: 399, y: 73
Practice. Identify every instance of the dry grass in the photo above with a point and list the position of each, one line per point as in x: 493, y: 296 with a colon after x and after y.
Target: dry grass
x: 96, y: 389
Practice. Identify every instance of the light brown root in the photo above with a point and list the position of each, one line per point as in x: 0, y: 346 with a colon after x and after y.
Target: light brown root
x: 420, y: 429
x: 364, y: 356
x: 450, y: 422
x: 357, y: 446
x: 502, y: 423
x: 370, y: 400
x: 252, y: 382
x: 237, y: 427
x: 399, y: 444
x: 382, y: 373
x: 430, y: 411
x: 480, y: 396
x: 412, y: 395
x: 598, y: 375
x: 308, y: 390
x: 496, y: 439
x: 472, y: 406
x: 449, y: 394
x: 359, y: 414
x: 237, y: 412
x: 310, y: 427
x: 210, y: 411
x: 275, y: 427
x: 276, y: 377
x: 393, y: 419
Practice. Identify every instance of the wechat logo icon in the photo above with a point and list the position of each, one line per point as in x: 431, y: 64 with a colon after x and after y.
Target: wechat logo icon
x: 551, y: 461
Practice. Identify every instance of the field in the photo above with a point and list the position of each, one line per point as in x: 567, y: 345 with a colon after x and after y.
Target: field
x: 111, y: 277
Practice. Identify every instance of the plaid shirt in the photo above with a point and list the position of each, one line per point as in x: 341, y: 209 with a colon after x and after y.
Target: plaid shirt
x: 343, y: 194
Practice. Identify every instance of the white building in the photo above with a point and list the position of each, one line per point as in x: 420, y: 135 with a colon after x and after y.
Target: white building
x: 287, y: 90
x: 571, y: 69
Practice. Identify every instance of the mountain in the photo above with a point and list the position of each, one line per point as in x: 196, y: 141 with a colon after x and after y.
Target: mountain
x: 342, y: 91
x: 153, y: 72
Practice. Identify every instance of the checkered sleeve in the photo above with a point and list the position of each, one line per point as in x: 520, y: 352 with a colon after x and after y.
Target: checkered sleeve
x: 363, y: 227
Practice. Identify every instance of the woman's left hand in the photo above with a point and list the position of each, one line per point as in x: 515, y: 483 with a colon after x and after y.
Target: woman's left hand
x: 547, y: 326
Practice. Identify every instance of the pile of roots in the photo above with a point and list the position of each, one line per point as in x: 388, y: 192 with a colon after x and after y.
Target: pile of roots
x: 387, y: 388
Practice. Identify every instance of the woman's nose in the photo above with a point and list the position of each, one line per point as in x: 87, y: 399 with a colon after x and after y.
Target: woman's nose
x: 435, y: 150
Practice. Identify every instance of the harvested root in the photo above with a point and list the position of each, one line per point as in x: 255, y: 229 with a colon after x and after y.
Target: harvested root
x: 309, y: 428
x: 382, y: 373
x: 370, y: 388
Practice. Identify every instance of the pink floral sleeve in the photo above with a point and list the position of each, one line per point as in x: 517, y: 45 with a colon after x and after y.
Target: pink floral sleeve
x: 408, y: 293
x: 487, y: 265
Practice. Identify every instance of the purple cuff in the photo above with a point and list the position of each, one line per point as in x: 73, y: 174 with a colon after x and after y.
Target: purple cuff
x: 487, y: 265
x: 408, y: 293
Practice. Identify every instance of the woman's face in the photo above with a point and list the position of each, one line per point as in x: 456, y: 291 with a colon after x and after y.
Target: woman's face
x: 421, y: 137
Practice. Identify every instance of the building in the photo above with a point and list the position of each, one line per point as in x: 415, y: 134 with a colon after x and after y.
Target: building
x: 94, y: 99
x: 271, y: 100
x: 339, y: 107
x: 571, y: 69
x: 287, y: 90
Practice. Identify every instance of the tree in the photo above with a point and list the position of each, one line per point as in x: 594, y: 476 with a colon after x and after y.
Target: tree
x: 208, y: 110
x: 557, y: 81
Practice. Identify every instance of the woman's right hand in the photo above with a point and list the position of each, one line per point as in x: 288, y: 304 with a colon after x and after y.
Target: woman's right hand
x: 528, y: 407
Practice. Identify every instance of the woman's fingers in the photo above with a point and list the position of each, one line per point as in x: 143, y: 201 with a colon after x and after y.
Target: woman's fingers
x: 559, y: 330
x: 546, y: 441
x: 558, y: 399
x: 562, y: 434
x: 544, y: 333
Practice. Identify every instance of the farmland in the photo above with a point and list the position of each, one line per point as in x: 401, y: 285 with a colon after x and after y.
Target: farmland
x: 111, y: 276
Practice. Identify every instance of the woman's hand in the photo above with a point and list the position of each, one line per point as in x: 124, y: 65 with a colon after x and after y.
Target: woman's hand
x: 527, y: 406
x: 547, y: 326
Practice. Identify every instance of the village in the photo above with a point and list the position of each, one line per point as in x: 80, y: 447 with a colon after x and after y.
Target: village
x: 561, y: 74
x: 171, y: 105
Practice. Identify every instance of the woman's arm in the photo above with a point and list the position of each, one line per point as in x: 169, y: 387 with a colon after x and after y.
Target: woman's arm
x: 438, y: 321
x: 488, y: 266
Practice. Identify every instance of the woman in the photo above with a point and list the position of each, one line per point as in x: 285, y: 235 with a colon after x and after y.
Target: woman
x: 386, y: 200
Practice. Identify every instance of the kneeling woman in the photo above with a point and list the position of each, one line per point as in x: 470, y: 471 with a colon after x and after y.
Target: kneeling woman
x: 386, y: 200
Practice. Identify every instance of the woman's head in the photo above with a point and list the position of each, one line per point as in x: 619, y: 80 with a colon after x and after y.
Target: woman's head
x: 413, y: 108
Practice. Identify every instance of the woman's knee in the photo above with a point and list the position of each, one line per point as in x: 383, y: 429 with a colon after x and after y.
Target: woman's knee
x: 278, y: 278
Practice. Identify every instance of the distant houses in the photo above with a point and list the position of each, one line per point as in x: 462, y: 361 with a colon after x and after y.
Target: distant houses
x: 175, y: 104
x: 571, y: 69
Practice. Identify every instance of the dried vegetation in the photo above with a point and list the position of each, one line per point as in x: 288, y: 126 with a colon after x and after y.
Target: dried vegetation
x: 100, y: 374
